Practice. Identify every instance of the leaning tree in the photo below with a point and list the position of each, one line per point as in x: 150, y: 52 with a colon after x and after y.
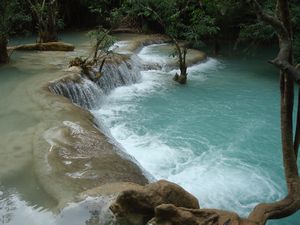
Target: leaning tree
x: 280, y: 20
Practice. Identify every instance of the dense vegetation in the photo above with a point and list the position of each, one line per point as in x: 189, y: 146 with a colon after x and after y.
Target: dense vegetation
x: 198, y: 22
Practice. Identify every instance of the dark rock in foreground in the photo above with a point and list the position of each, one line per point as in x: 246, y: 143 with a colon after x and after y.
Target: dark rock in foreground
x: 136, y: 206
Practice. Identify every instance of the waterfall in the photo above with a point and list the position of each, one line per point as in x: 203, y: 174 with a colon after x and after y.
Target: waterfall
x: 89, y: 94
x: 116, y: 75
x: 84, y: 92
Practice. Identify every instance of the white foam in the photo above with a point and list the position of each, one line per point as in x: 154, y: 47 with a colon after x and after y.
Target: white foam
x: 201, y: 70
x: 151, y: 54
x: 120, y: 47
x: 90, y: 209
x: 218, y: 180
x: 210, y: 65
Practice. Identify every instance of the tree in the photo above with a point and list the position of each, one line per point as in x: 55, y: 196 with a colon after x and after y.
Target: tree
x: 295, y: 9
x: 281, y: 22
x: 46, y: 14
x: 179, y: 20
x: 12, y: 17
x: 103, y: 9
x: 171, y: 31
x: 101, y: 43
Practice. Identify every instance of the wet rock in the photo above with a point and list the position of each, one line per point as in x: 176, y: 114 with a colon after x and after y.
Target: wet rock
x: 74, y: 69
x: 168, y: 214
x: 136, y: 206
x: 181, y: 79
x: 176, y: 77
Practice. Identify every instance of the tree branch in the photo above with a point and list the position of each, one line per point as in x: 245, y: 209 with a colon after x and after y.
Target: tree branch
x: 280, y: 209
x: 286, y: 67
x: 283, y: 61
x: 269, y: 19
x: 284, y: 15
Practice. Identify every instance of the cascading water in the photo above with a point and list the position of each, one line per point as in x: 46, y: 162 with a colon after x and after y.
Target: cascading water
x: 88, y: 94
x: 84, y: 92
x: 119, y: 74
x: 213, y: 137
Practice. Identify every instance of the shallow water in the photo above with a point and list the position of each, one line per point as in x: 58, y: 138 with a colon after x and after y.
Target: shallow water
x: 218, y: 136
x: 22, y: 200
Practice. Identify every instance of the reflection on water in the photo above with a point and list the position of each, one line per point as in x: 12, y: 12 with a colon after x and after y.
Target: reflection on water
x: 22, y: 200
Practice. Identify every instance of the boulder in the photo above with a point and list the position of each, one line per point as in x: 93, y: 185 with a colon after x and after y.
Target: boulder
x: 168, y: 214
x: 137, y: 206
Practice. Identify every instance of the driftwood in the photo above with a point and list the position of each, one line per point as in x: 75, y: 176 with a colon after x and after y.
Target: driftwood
x: 49, y: 46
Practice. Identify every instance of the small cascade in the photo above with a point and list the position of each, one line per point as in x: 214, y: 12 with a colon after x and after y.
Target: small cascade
x: 119, y: 74
x: 84, y: 92
x: 88, y: 94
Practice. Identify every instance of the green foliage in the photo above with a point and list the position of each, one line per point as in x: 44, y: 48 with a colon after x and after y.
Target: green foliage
x: 178, y: 19
x: 46, y: 13
x: 254, y: 31
x: 295, y: 8
x: 12, y: 17
x: 101, y: 43
x: 297, y: 48
x: 257, y: 32
x: 105, y: 10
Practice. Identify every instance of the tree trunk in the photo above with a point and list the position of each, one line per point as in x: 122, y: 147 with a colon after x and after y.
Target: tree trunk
x: 288, y: 74
x: 182, y: 78
x: 46, y: 21
x: 47, y: 36
x: 3, y: 51
x: 47, y: 30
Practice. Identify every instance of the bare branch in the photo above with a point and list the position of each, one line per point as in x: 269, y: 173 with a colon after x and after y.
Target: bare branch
x: 287, y: 68
x: 269, y: 19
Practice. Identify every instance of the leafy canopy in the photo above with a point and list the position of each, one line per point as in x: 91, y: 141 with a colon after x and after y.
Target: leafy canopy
x: 12, y: 16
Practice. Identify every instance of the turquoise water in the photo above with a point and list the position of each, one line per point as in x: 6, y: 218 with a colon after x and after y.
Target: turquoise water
x: 218, y: 136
